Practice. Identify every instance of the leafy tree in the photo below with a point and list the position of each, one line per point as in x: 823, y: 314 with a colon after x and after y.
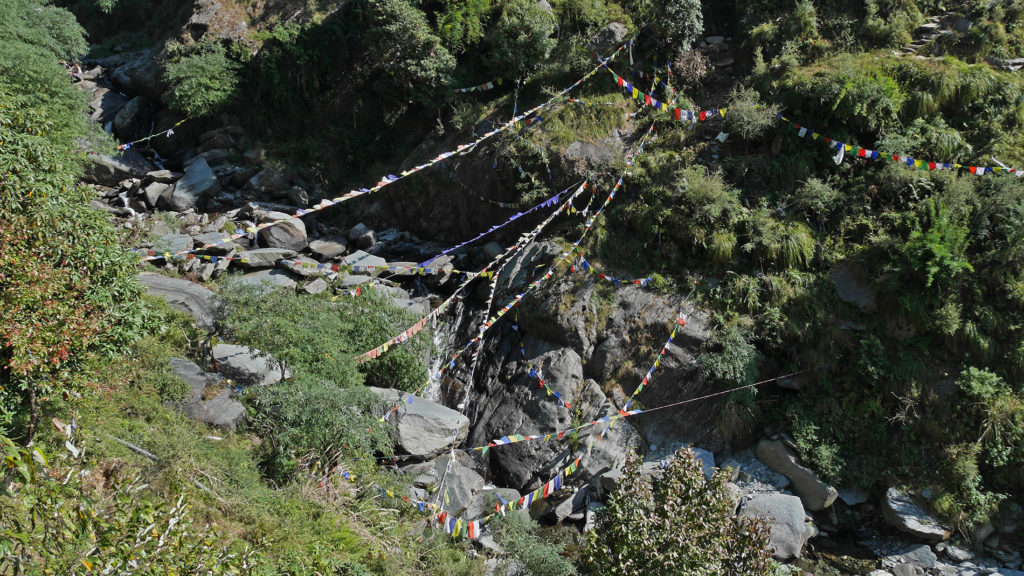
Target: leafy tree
x: 462, y: 22
x: 201, y: 78
x: 675, y: 522
x: 522, y: 38
x: 410, y: 53
x: 683, y: 21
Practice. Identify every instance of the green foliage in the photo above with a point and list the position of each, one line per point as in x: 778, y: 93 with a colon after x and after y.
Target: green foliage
x: 683, y: 21
x: 938, y: 252
x: 522, y: 38
x: 201, y: 78
x: 518, y: 534
x: 322, y: 341
x: 64, y: 518
x: 731, y: 359
x: 816, y: 198
x: 746, y: 117
x: 675, y: 523
x: 66, y: 286
x: 404, y: 45
x: 462, y: 23
x: 309, y: 421
x: 822, y: 454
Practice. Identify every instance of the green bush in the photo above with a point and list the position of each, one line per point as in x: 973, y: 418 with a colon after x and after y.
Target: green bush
x: 201, y: 78
x: 522, y: 38
x: 675, y: 523
x: 405, y: 46
x: 518, y: 534
x: 730, y: 359
x: 816, y: 198
x: 462, y: 23
x: 746, y: 117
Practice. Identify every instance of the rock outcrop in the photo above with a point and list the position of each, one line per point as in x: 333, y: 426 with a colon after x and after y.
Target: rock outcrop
x: 208, y: 398
x: 900, y: 510
x: 182, y: 295
x: 815, y: 494
x: 785, y: 515
x: 425, y: 428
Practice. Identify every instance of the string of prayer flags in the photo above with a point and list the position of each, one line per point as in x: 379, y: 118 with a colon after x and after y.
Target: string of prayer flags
x: 532, y: 371
x: 677, y: 113
x: 480, y: 87
x: 581, y: 263
x: 591, y: 103
x: 169, y: 132
x: 391, y: 178
x: 843, y: 149
x: 680, y: 321
x: 389, y: 267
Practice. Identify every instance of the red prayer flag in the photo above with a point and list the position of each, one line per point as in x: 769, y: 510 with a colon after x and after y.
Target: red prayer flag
x: 678, y: 114
x: 861, y: 152
x: 703, y: 116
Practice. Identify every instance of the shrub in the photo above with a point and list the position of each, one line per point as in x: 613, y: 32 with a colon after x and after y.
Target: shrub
x: 732, y: 360
x: 936, y: 249
x: 517, y: 534
x: 461, y: 24
x: 307, y: 421
x: 201, y: 78
x: 522, y: 38
x: 683, y: 21
x: 318, y: 338
x: 747, y: 118
x: 816, y: 198
x: 406, y: 47
x: 675, y: 523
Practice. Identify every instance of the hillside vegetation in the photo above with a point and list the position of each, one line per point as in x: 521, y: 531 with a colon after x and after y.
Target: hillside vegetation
x: 894, y: 290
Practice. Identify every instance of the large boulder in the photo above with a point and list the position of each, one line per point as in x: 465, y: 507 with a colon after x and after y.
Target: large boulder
x: 815, y: 494
x: 219, y: 410
x: 111, y: 170
x: 263, y: 257
x: 460, y: 481
x: 425, y: 428
x: 609, y: 38
x: 785, y: 515
x: 134, y: 119
x: 268, y: 280
x: 197, y: 185
x: 900, y: 510
x: 105, y: 105
x: 328, y: 249
x: 289, y: 233
x: 182, y: 295
x: 246, y: 366
x: 139, y: 75
x: 213, y: 19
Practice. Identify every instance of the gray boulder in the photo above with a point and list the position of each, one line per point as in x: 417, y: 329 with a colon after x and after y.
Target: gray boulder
x: 105, y: 105
x: 483, y: 503
x: 900, y: 510
x: 173, y: 243
x: 182, y: 295
x: 111, y: 170
x: 267, y: 182
x: 215, y: 246
x: 785, y: 515
x: 213, y: 19
x: 197, y: 185
x: 462, y: 483
x: 358, y: 231
x: 853, y: 289
x: 315, y: 286
x: 221, y: 410
x: 360, y: 258
x: 327, y: 249
x: 289, y: 233
x: 162, y: 176
x: 247, y: 366
x: 263, y: 257
x: 815, y: 494
x: 139, y: 75
x: 268, y: 280
x: 134, y: 119
x: 425, y: 428
x: 152, y: 192
x: 609, y: 38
